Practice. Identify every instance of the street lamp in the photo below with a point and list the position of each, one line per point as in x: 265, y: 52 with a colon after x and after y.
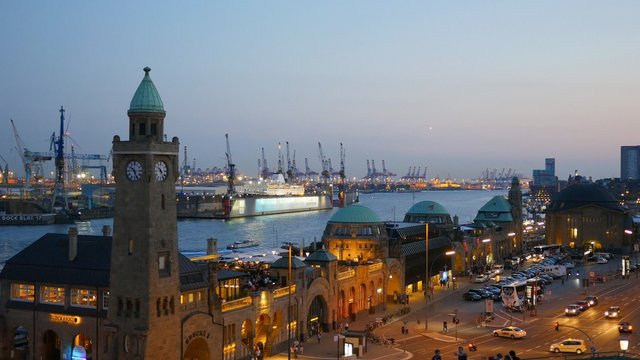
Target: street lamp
x: 427, y: 281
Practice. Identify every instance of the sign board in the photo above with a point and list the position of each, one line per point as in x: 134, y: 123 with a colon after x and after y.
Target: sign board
x: 488, y: 305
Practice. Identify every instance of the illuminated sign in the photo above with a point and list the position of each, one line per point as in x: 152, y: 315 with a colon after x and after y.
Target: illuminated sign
x: 67, y: 319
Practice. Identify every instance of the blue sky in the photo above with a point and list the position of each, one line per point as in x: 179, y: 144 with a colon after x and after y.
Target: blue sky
x: 457, y: 86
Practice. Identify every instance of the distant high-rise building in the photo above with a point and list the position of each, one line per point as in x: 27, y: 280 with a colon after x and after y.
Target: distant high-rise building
x: 546, y: 176
x: 630, y: 162
x: 545, y: 181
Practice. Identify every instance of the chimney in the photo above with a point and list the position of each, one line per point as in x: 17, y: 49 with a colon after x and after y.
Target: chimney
x: 106, y: 230
x: 212, y: 246
x: 73, y: 243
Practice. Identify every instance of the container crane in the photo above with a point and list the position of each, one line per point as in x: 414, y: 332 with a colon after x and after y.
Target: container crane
x: 325, y: 164
x: 290, y: 173
x: 231, y: 169
x: 342, y: 158
x: 368, y: 169
x: 265, y: 168
x: 31, y: 161
x: 280, y: 160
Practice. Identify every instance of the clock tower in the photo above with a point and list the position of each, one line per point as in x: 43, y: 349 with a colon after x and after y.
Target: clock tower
x: 144, y: 281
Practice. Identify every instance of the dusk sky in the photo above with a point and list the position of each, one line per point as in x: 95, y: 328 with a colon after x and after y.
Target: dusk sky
x: 457, y: 86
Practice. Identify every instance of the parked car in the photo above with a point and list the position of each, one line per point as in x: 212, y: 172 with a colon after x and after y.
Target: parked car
x: 569, y: 345
x: 625, y: 327
x: 471, y: 296
x: 481, y: 278
x: 613, y: 312
x: 601, y: 260
x: 512, y: 332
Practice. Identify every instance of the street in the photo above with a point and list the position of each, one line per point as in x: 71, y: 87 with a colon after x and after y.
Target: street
x: 540, y: 329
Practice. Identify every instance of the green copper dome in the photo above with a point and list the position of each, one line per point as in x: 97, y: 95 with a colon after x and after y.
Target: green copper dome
x: 428, y: 208
x: 146, y: 98
x: 355, y: 214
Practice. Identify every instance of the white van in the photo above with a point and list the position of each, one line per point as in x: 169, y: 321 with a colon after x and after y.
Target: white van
x: 497, y: 269
x: 556, y: 271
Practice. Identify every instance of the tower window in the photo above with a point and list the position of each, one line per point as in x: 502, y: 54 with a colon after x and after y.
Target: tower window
x: 143, y: 129
x: 130, y: 247
x: 154, y: 130
x: 164, y: 266
x: 158, y: 313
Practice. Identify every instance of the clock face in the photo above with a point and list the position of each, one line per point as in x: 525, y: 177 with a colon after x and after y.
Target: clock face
x: 160, y: 170
x: 134, y: 171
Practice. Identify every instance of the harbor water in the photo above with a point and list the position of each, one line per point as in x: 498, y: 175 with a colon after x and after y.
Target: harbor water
x: 271, y: 230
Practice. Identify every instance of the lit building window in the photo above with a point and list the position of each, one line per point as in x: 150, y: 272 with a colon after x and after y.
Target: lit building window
x: 84, y: 298
x: 52, y: 295
x: 23, y: 292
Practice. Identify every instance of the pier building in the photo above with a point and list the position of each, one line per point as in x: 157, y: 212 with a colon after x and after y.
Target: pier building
x: 587, y: 217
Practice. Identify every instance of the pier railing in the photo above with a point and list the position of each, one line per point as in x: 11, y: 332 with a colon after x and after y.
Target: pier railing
x: 237, y: 304
x: 375, y: 267
x: 283, y: 291
x: 346, y: 274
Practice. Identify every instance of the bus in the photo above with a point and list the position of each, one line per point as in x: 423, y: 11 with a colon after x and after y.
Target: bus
x: 513, y: 295
x: 546, y: 250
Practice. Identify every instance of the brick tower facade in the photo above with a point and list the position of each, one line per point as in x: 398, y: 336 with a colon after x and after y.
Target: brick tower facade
x: 145, y: 284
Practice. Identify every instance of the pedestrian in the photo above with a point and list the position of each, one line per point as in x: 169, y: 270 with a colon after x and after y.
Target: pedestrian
x: 346, y: 327
x: 437, y: 356
x: 444, y: 327
x: 460, y: 353
x: 301, y: 348
x: 319, y: 336
x: 395, y: 298
x: 513, y: 355
x: 498, y: 356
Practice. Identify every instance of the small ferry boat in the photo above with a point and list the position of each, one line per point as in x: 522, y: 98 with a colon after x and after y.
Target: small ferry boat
x: 243, y: 244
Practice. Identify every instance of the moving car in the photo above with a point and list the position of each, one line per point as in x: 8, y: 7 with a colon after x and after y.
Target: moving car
x: 583, y: 304
x: 592, y: 300
x: 572, y: 309
x: 512, y: 332
x: 569, y: 345
x: 613, y: 312
x: 625, y: 327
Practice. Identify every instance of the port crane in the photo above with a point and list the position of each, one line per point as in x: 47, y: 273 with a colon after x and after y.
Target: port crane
x: 325, y: 164
x: 31, y: 161
x: 5, y: 172
x: 290, y: 169
x: 265, y: 168
x: 385, y: 171
x: 342, y: 158
x: 231, y: 169
x: 307, y: 170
